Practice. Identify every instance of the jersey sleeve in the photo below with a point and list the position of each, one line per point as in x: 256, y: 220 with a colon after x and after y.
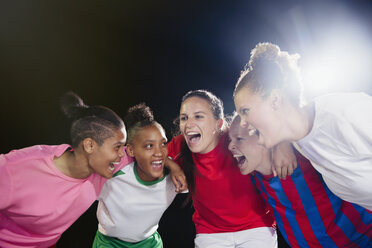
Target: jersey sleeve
x: 6, y: 184
x: 359, y: 119
x: 174, y: 147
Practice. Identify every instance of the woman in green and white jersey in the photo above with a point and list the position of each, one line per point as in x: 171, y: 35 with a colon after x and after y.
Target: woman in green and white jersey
x: 133, y: 201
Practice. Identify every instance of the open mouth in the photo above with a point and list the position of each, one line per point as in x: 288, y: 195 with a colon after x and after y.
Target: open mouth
x: 193, y: 137
x: 112, y: 166
x: 157, y: 165
x: 240, y: 158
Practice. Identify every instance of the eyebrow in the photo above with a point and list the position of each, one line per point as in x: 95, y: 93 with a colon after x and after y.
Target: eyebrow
x: 163, y: 139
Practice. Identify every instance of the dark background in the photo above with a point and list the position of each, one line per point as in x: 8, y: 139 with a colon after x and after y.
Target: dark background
x: 120, y: 53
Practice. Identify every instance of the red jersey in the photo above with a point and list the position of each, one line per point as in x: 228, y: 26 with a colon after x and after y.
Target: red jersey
x: 224, y: 199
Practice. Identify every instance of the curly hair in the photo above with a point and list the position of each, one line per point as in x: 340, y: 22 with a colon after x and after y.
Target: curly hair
x: 138, y: 117
x: 270, y: 68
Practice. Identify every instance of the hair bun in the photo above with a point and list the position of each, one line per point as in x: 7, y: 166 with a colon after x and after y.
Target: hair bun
x: 138, y: 113
x: 72, y: 105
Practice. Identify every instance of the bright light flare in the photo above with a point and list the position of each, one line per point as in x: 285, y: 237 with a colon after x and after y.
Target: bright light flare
x: 342, y: 58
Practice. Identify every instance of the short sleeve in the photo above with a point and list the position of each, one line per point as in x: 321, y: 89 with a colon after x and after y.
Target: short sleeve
x: 359, y: 117
x: 6, y: 184
x: 175, y: 147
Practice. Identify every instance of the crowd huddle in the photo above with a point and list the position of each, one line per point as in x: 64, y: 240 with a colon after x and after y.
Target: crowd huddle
x: 278, y: 162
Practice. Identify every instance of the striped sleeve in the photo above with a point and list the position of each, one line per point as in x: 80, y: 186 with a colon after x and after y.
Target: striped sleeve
x: 308, y: 214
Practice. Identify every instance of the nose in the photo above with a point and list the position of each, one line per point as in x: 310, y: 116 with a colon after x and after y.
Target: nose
x: 244, y: 123
x: 157, y: 151
x: 189, y: 122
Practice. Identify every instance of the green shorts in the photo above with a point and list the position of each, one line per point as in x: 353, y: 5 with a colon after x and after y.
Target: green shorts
x: 103, y: 241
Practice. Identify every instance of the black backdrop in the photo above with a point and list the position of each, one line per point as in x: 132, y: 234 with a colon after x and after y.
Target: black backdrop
x: 119, y: 53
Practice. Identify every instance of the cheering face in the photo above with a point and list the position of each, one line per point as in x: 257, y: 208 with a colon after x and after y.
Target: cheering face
x: 243, y: 145
x: 260, y: 114
x: 150, y: 150
x: 104, y: 157
x: 198, y: 125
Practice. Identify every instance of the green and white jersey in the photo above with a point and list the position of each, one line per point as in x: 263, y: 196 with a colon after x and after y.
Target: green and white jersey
x: 129, y: 208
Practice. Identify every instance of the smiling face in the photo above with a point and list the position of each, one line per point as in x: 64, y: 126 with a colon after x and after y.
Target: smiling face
x: 149, y: 148
x: 261, y: 113
x: 103, y: 157
x: 198, y: 125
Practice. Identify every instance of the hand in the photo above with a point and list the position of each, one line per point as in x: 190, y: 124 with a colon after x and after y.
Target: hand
x: 177, y: 175
x: 284, y: 160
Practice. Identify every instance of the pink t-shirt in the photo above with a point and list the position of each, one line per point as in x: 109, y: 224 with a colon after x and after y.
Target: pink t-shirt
x: 38, y: 202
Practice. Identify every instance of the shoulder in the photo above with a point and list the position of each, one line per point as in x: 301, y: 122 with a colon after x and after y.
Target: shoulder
x: 175, y: 146
x: 33, y: 152
x: 127, y: 169
x: 341, y: 101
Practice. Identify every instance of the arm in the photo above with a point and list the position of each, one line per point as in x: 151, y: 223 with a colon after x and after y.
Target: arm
x: 284, y: 160
x: 177, y: 175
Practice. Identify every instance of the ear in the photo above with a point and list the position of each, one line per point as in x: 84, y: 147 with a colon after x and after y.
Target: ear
x: 89, y: 145
x: 276, y: 99
x: 130, y: 150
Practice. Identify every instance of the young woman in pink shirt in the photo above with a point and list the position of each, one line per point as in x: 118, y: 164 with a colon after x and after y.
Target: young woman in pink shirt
x: 44, y: 188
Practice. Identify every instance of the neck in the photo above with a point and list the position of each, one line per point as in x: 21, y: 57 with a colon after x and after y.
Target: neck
x: 299, y: 121
x: 73, y: 164
x: 265, y: 168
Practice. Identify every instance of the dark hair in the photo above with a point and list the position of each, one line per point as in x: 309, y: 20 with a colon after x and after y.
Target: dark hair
x: 216, y: 106
x: 269, y: 68
x: 214, y: 102
x: 96, y: 122
x: 138, y: 117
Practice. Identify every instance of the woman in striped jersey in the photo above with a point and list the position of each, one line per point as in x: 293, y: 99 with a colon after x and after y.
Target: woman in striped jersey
x: 333, y: 131
x: 307, y: 213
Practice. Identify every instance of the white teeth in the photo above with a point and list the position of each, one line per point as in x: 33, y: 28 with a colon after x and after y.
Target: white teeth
x: 192, y: 133
x: 237, y: 156
x: 111, y: 167
x: 157, y: 162
x: 252, y: 132
x: 115, y: 163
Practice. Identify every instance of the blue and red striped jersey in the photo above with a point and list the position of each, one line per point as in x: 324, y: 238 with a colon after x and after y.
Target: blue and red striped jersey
x: 308, y: 214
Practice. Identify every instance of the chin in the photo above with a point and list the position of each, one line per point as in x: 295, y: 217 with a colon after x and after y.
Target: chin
x: 245, y: 171
x: 107, y: 176
x: 157, y: 176
x: 195, y: 149
x: 268, y: 144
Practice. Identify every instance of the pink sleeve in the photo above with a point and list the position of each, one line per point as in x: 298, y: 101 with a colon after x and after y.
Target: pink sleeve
x: 6, y: 184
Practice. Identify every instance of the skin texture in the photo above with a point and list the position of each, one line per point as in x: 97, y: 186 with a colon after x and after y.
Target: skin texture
x: 89, y: 157
x: 250, y: 155
x: 262, y: 113
x: 198, y: 125
x: 100, y: 158
x: 150, y: 150
x: 268, y: 116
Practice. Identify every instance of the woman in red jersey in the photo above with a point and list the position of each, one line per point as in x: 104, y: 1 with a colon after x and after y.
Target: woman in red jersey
x: 229, y: 212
